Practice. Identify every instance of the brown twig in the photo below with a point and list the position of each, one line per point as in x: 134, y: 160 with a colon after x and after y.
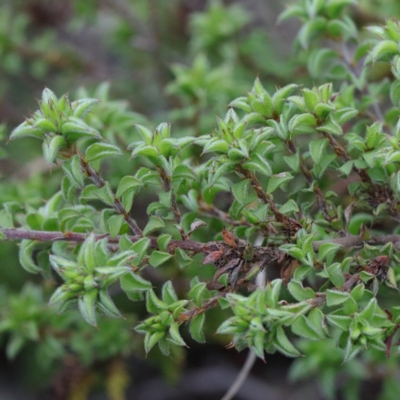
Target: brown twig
x: 98, y: 180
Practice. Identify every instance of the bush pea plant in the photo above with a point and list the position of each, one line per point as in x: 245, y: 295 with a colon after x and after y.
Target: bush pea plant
x: 301, y: 182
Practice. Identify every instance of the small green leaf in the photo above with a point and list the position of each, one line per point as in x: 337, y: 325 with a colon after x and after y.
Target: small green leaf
x: 98, y: 151
x: 276, y: 181
x: 163, y: 241
x: 87, y: 305
x: 299, y: 292
x: 133, y: 282
x: 128, y: 183
x: 336, y: 297
x: 243, y: 192
x: 82, y: 107
x: 73, y: 170
x: 168, y: 293
x: 92, y: 192
x: 51, y: 148
x: 146, y: 151
x: 114, y: 225
x: 151, y: 339
x: 158, y: 257
x: 281, y: 95
x: 75, y: 128
x: 258, y: 163
x: 383, y: 50
x: 26, y: 130
x: 145, y: 133
x: 302, y: 327
x: 217, y: 146
x: 25, y: 256
x: 302, y: 123
x: 289, y: 207
x: 153, y: 304
x: 340, y: 321
x: 327, y: 249
x: 140, y: 247
x: 317, y: 148
x: 335, y: 274
x: 175, y: 335
x: 106, y: 305
x: 283, y: 344
x: 196, y: 328
x: 155, y: 223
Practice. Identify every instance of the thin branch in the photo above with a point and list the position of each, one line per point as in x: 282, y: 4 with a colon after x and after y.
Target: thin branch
x: 46, y: 236
x: 241, y: 378
x: 197, y: 247
x: 357, y: 241
x: 98, y: 180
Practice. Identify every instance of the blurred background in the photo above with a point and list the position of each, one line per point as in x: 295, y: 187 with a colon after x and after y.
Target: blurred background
x: 180, y: 61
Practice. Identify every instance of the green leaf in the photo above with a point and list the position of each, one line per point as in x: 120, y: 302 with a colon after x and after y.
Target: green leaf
x: 155, y: 223
x: 340, y: 321
x: 331, y: 126
x: 168, y: 293
x: 258, y: 163
x: 50, y: 149
x: 217, y: 146
x: 153, y: 304
x: 182, y: 258
x: 133, y: 282
x: 128, y: 183
x: 281, y: 95
x: 75, y: 128
x: 175, y: 335
x: 163, y: 241
x: 299, y: 292
x: 382, y: 51
x: 114, y: 225
x: 140, y: 247
x: 14, y: 345
x: 276, y: 181
x: 336, y: 297
x: 26, y: 130
x: 87, y: 305
x: 289, y: 207
x: 98, y: 151
x: 302, y: 327
x: 25, y: 256
x: 293, y: 161
x: 283, y: 344
x: 243, y: 192
x: 302, y: 123
x: 92, y: 192
x: 106, y: 305
x: 151, y: 339
x: 82, y: 107
x: 73, y: 170
x: 317, y: 148
x: 146, y: 151
x: 158, y: 257
x: 196, y: 328
x: 311, y: 29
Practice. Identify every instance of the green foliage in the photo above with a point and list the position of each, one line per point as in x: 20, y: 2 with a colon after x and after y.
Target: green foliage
x: 305, y: 179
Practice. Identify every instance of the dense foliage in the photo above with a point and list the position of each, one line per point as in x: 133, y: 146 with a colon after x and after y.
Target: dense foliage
x: 300, y: 182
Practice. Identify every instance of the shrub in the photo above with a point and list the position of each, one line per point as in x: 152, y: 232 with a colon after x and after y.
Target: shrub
x: 300, y: 180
